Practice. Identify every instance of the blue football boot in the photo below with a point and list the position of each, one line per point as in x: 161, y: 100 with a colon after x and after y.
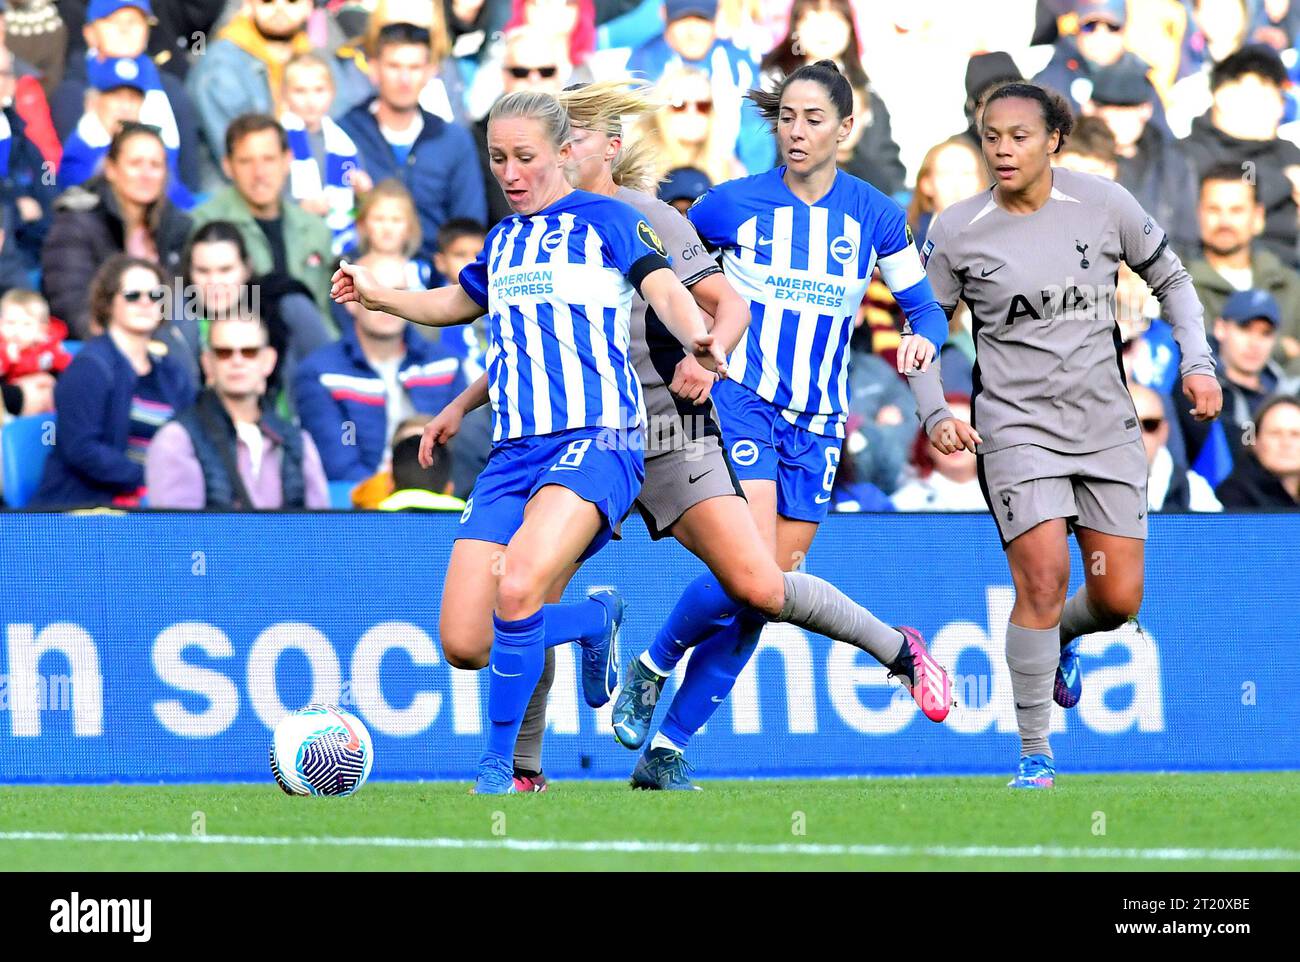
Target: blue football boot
x: 1035, y: 771
x: 663, y: 769
x: 634, y: 709
x: 600, y: 654
x: 1069, y: 677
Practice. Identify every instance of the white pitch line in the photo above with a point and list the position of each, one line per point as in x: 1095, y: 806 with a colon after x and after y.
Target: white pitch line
x: 679, y: 848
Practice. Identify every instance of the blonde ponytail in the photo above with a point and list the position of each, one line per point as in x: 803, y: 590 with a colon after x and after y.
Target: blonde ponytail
x: 603, y: 107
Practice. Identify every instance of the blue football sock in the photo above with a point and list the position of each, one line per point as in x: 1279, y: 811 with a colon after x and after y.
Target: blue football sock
x: 518, y: 656
x: 573, y: 622
x: 702, y: 610
x: 710, y: 675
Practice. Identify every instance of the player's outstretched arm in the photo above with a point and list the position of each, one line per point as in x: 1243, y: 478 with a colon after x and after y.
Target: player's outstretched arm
x: 354, y: 284
x: 675, y: 306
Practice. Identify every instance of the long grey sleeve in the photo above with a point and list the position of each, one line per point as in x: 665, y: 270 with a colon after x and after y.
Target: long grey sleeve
x: 927, y: 390
x: 1180, y: 306
x: 1168, y: 280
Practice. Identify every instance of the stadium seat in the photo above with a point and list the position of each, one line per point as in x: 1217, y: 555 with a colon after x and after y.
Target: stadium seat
x: 24, y: 456
x: 341, y: 495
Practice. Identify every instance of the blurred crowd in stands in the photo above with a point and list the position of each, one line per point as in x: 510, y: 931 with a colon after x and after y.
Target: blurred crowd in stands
x: 179, y: 179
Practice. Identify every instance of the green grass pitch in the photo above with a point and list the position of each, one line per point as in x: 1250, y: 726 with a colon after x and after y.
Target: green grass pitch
x: 1245, y: 821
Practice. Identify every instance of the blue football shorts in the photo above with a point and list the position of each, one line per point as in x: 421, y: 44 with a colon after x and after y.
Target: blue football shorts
x: 763, y: 445
x: 600, y: 465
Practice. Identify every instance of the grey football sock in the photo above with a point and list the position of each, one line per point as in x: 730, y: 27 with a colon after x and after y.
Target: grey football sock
x: 1078, y: 617
x: 528, y: 746
x: 1032, y: 656
x: 821, y: 607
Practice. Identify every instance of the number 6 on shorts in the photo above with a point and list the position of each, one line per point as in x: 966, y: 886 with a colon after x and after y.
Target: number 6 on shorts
x: 832, y: 463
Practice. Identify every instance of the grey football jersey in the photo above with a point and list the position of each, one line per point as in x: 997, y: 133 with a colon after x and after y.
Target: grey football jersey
x: 655, y: 351
x: 1041, y: 291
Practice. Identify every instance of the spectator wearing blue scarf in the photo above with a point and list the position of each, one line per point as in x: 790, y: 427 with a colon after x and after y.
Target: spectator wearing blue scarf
x: 324, y: 175
x: 120, y: 95
x: 118, y: 30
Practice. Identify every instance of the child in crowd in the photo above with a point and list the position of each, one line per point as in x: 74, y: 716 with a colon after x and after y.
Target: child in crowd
x: 325, y: 177
x: 388, y: 225
x: 31, y: 342
x: 459, y: 243
x: 116, y: 95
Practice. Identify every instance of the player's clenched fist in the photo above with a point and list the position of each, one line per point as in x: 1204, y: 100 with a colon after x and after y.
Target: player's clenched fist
x: 1206, y: 396
x: 692, y: 381
x: 954, y: 434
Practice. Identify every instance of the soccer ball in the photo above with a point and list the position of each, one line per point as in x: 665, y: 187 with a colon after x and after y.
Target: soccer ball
x: 321, y: 750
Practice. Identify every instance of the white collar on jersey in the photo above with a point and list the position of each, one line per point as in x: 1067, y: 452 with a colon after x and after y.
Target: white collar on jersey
x: 992, y: 205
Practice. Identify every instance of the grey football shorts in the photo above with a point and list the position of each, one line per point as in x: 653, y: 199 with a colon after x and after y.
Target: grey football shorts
x: 678, y: 479
x: 1105, y: 490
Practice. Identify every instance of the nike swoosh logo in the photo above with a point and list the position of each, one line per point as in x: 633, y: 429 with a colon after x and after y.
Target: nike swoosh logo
x: 765, y: 242
x: 715, y: 698
x: 506, y: 674
x: 697, y: 477
x: 994, y: 271
x: 821, y: 499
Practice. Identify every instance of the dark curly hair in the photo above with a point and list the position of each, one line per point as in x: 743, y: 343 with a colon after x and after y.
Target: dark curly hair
x: 824, y: 72
x: 1056, y: 112
x: 108, y: 281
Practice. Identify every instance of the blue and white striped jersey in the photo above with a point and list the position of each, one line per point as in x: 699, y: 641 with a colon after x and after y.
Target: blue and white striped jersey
x: 804, y: 270
x: 557, y: 286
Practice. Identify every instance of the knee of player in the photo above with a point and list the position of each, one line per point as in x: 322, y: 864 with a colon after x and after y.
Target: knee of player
x: 520, y: 593
x: 466, y: 657
x: 763, y: 588
x: 466, y: 642
x: 1045, y: 587
x: 1118, y: 605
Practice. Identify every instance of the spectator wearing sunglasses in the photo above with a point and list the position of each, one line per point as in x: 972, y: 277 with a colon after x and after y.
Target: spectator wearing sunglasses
x: 1170, y: 486
x: 532, y: 60
x: 690, y: 132
x: 1097, y: 43
x: 123, y: 210
x: 115, y: 395
x: 228, y: 451
x: 690, y: 41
